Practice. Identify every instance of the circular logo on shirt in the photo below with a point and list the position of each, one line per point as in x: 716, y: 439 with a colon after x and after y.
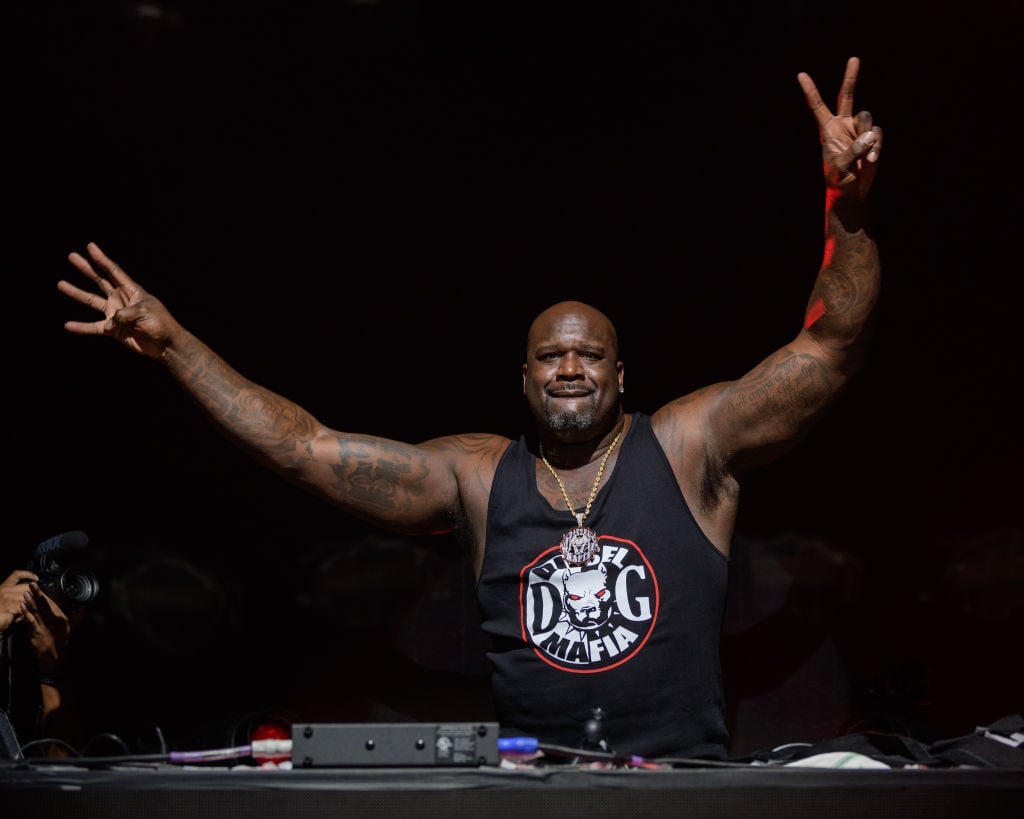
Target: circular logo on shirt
x: 593, y: 617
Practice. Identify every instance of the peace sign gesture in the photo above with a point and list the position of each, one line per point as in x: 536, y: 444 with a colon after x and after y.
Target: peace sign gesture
x: 850, y: 144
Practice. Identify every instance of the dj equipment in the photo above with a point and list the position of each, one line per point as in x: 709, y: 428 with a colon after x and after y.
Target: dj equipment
x: 388, y: 744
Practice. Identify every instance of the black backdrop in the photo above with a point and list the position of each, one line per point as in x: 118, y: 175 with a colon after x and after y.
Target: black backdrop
x: 362, y: 204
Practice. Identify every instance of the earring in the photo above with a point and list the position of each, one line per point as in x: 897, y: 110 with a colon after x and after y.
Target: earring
x: 621, y: 390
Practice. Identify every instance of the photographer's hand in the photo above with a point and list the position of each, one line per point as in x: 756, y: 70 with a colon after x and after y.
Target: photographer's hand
x: 13, y: 594
x: 49, y: 630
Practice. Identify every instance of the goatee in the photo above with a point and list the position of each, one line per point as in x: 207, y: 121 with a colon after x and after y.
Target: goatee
x: 578, y: 421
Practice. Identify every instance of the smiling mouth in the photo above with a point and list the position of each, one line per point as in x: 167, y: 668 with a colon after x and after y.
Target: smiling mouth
x: 569, y: 392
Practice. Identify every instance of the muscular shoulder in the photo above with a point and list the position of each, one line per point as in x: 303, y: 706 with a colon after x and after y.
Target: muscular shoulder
x: 476, y: 449
x: 681, y: 426
x: 473, y: 459
x: 684, y: 429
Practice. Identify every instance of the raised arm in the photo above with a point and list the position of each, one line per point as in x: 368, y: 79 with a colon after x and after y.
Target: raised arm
x: 713, y: 435
x: 769, y: 409
x: 399, y: 486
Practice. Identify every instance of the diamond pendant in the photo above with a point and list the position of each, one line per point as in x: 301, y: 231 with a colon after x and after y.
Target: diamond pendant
x: 579, y: 545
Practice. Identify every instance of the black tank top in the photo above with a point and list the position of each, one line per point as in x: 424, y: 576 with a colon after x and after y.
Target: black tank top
x: 635, y: 632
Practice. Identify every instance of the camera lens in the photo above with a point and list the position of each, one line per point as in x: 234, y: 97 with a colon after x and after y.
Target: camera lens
x: 79, y: 585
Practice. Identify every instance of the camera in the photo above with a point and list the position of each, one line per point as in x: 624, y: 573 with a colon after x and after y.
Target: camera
x: 64, y: 575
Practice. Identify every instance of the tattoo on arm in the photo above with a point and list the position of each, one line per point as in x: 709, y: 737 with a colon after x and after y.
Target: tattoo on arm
x: 777, y: 398
x: 370, y: 483
x: 378, y: 475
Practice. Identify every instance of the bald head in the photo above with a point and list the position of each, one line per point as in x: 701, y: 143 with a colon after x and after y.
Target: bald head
x: 573, y: 318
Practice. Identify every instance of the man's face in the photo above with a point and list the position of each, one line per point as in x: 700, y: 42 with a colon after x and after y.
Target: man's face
x: 571, y: 377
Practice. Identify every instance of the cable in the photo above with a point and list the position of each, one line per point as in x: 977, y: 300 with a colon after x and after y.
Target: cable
x: 530, y: 745
x: 523, y: 746
x: 581, y: 754
x: 260, y: 748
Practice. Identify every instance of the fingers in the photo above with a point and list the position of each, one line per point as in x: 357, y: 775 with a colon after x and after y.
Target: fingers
x: 39, y: 608
x: 117, y: 290
x: 85, y: 268
x: 866, y: 147
x: 96, y: 328
x: 29, y: 607
x: 846, y: 89
x: 99, y: 261
x: 814, y: 101
x: 82, y: 296
x: 90, y: 328
x: 18, y: 576
x: 113, y: 270
x: 821, y: 111
x: 46, y: 608
x: 874, y: 143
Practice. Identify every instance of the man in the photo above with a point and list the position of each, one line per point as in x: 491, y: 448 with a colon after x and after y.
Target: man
x: 600, y: 539
x: 37, y: 695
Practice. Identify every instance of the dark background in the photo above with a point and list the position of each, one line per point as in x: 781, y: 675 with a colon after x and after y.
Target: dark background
x: 361, y: 205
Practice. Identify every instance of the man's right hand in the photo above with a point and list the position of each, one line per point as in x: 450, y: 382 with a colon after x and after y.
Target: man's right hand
x: 130, y: 314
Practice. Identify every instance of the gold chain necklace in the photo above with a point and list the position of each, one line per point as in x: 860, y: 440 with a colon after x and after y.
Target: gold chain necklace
x: 579, y: 545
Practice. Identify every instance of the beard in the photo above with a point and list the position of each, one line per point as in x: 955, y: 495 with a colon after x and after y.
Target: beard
x: 574, y: 420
